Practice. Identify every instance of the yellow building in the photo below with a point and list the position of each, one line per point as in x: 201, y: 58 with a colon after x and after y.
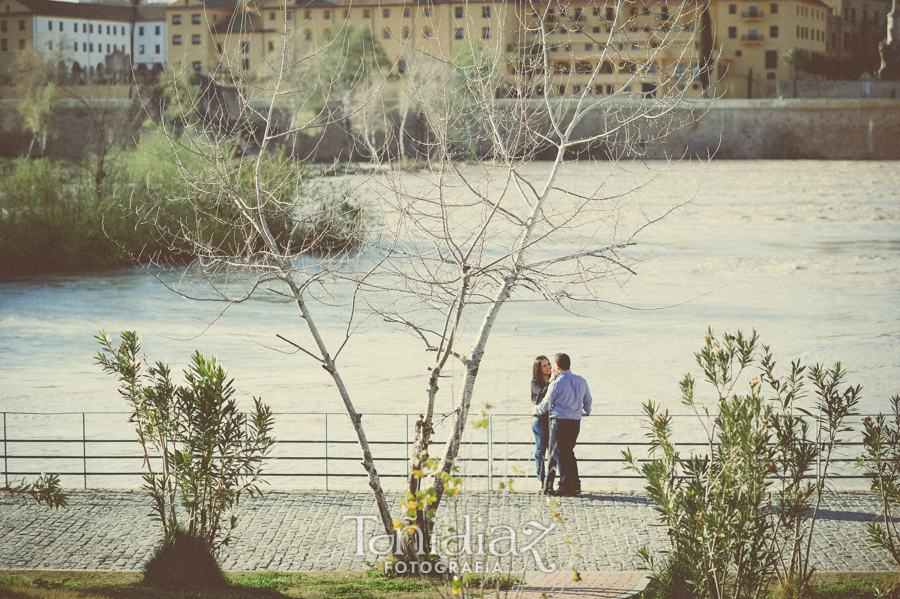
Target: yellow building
x: 755, y: 38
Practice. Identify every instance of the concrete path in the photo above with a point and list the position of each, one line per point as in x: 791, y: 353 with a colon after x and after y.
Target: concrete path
x: 302, y: 531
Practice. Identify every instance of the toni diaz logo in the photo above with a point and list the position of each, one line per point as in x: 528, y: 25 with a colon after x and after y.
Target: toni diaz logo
x: 499, y: 541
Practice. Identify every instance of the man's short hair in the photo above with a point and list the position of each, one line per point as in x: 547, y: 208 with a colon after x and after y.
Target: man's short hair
x: 562, y: 360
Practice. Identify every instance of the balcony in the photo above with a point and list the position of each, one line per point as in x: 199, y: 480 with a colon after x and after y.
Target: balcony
x: 752, y: 38
x: 753, y: 15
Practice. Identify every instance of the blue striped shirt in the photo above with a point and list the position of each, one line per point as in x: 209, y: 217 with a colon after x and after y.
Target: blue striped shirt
x: 567, y: 397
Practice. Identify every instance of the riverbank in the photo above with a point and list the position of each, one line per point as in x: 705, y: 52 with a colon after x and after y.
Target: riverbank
x: 315, y: 530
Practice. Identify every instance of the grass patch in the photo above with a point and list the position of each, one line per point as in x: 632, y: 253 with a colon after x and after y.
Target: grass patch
x: 36, y: 584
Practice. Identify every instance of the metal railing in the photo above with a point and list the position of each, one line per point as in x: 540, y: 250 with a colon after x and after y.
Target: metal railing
x: 88, y: 448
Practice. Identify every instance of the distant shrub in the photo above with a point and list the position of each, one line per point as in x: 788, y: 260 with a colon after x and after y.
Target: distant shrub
x: 182, y: 559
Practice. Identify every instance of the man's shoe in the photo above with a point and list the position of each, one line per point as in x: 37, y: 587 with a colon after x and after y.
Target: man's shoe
x: 549, y: 492
x: 567, y: 493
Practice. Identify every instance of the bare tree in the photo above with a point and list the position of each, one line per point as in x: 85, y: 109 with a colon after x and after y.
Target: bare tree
x: 479, y: 224
x: 502, y: 228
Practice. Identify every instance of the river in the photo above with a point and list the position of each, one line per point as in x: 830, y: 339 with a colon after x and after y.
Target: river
x: 807, y: 253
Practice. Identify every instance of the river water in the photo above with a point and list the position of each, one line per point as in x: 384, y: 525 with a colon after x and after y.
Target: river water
x: 807, y: 253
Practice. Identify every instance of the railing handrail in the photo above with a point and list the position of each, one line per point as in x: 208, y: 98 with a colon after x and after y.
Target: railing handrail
x: 486, y: 444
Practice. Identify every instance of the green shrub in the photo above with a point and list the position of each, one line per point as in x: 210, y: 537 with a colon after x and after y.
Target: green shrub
x: 183, y: 560
x: 745, y: 510
x: 212, y: 453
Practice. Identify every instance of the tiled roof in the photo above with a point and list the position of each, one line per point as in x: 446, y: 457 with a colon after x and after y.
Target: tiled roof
x: 77, y: 10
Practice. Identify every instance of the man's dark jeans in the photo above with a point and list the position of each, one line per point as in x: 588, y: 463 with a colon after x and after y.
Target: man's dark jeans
x: 563, y: 435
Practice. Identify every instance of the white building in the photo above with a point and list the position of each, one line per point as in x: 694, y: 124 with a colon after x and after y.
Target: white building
x: 150, y: 39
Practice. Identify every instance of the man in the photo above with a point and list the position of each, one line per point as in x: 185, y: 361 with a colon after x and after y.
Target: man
x: 567, y: 398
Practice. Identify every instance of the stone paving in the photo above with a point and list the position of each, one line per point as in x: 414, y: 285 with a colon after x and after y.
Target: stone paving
x: 302, y: 531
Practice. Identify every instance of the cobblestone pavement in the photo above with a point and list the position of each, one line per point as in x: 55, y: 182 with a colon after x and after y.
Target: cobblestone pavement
x: 302, y: 531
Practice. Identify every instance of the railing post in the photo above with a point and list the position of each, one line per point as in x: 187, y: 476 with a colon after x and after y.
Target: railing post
x: 490, y: 451
x: 84, y: 448
x: 326, y: 451
x: 5, y: 452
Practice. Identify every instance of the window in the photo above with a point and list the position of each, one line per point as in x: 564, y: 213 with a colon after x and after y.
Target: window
x: 401, y: 66
x: 771, y: 59
x: 176, y: 40
x: 271, y: 46
x: 732, y: 9
x: 290, y: 16
x: 596, y: 11
x: 406, y: 13
x: 140, y: 31
x: 21, y: 25
x: 156, y: 30
x: 609, y: 13
x: 596, y: 30
x: 458, y: 34
x: 458, y: 12
x: 245, y: 47
x: 589, y: 47
x: 732, y: 32
x: 346, y: 14
x: 753, y: 33
x: 770, y: 75
x: 576, y: 89
x: 157, y: 48
x: 74, y: 26
x: 367, y: 14
x: 406, y: 33
x: 176, y: 19
x: 426, y: 33
x: 485, y: 33
x: 107, y: 30
x: 386, y: 13
x: 485, y: 12
x: 327, y: 15
x: 107, y: 49
x: 61, y: 26
x: 75, y: 46
x: 562, y: 90
x: 21, y: 44
x: 197, y: 65
x: 308, y: 15
x: 271, y: 15
x: 90, y: 47
x: 773, y: 30
x: 219, y: 48
x: 387, y: 34
x: 427, y: 12
x: 773, y: 8
x: 195, y: 40
x: 308, y: 35
x: 49, y: 25
x: 4, y: 45
x: 245, y: 64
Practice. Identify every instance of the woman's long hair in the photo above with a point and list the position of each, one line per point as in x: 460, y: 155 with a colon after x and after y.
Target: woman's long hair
x: 537, y: 373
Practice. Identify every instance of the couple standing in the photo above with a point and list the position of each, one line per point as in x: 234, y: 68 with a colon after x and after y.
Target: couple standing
x: 560, y: 399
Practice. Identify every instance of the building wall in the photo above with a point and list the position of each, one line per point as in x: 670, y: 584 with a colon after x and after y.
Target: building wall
x: 150, y: 44
x: 755, y: 36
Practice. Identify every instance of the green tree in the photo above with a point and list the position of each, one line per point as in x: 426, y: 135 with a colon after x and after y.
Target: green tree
x: 40, y: 115
x: 343, y: 70
x: 797, y: 59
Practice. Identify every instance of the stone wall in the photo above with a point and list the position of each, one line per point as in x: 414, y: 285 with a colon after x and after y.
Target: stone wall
x: 728, y: 129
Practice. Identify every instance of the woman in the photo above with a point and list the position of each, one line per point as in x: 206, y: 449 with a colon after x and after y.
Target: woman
x: 540, y: 379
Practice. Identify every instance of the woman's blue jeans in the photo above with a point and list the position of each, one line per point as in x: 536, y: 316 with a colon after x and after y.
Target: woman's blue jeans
x: 541, y: 429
